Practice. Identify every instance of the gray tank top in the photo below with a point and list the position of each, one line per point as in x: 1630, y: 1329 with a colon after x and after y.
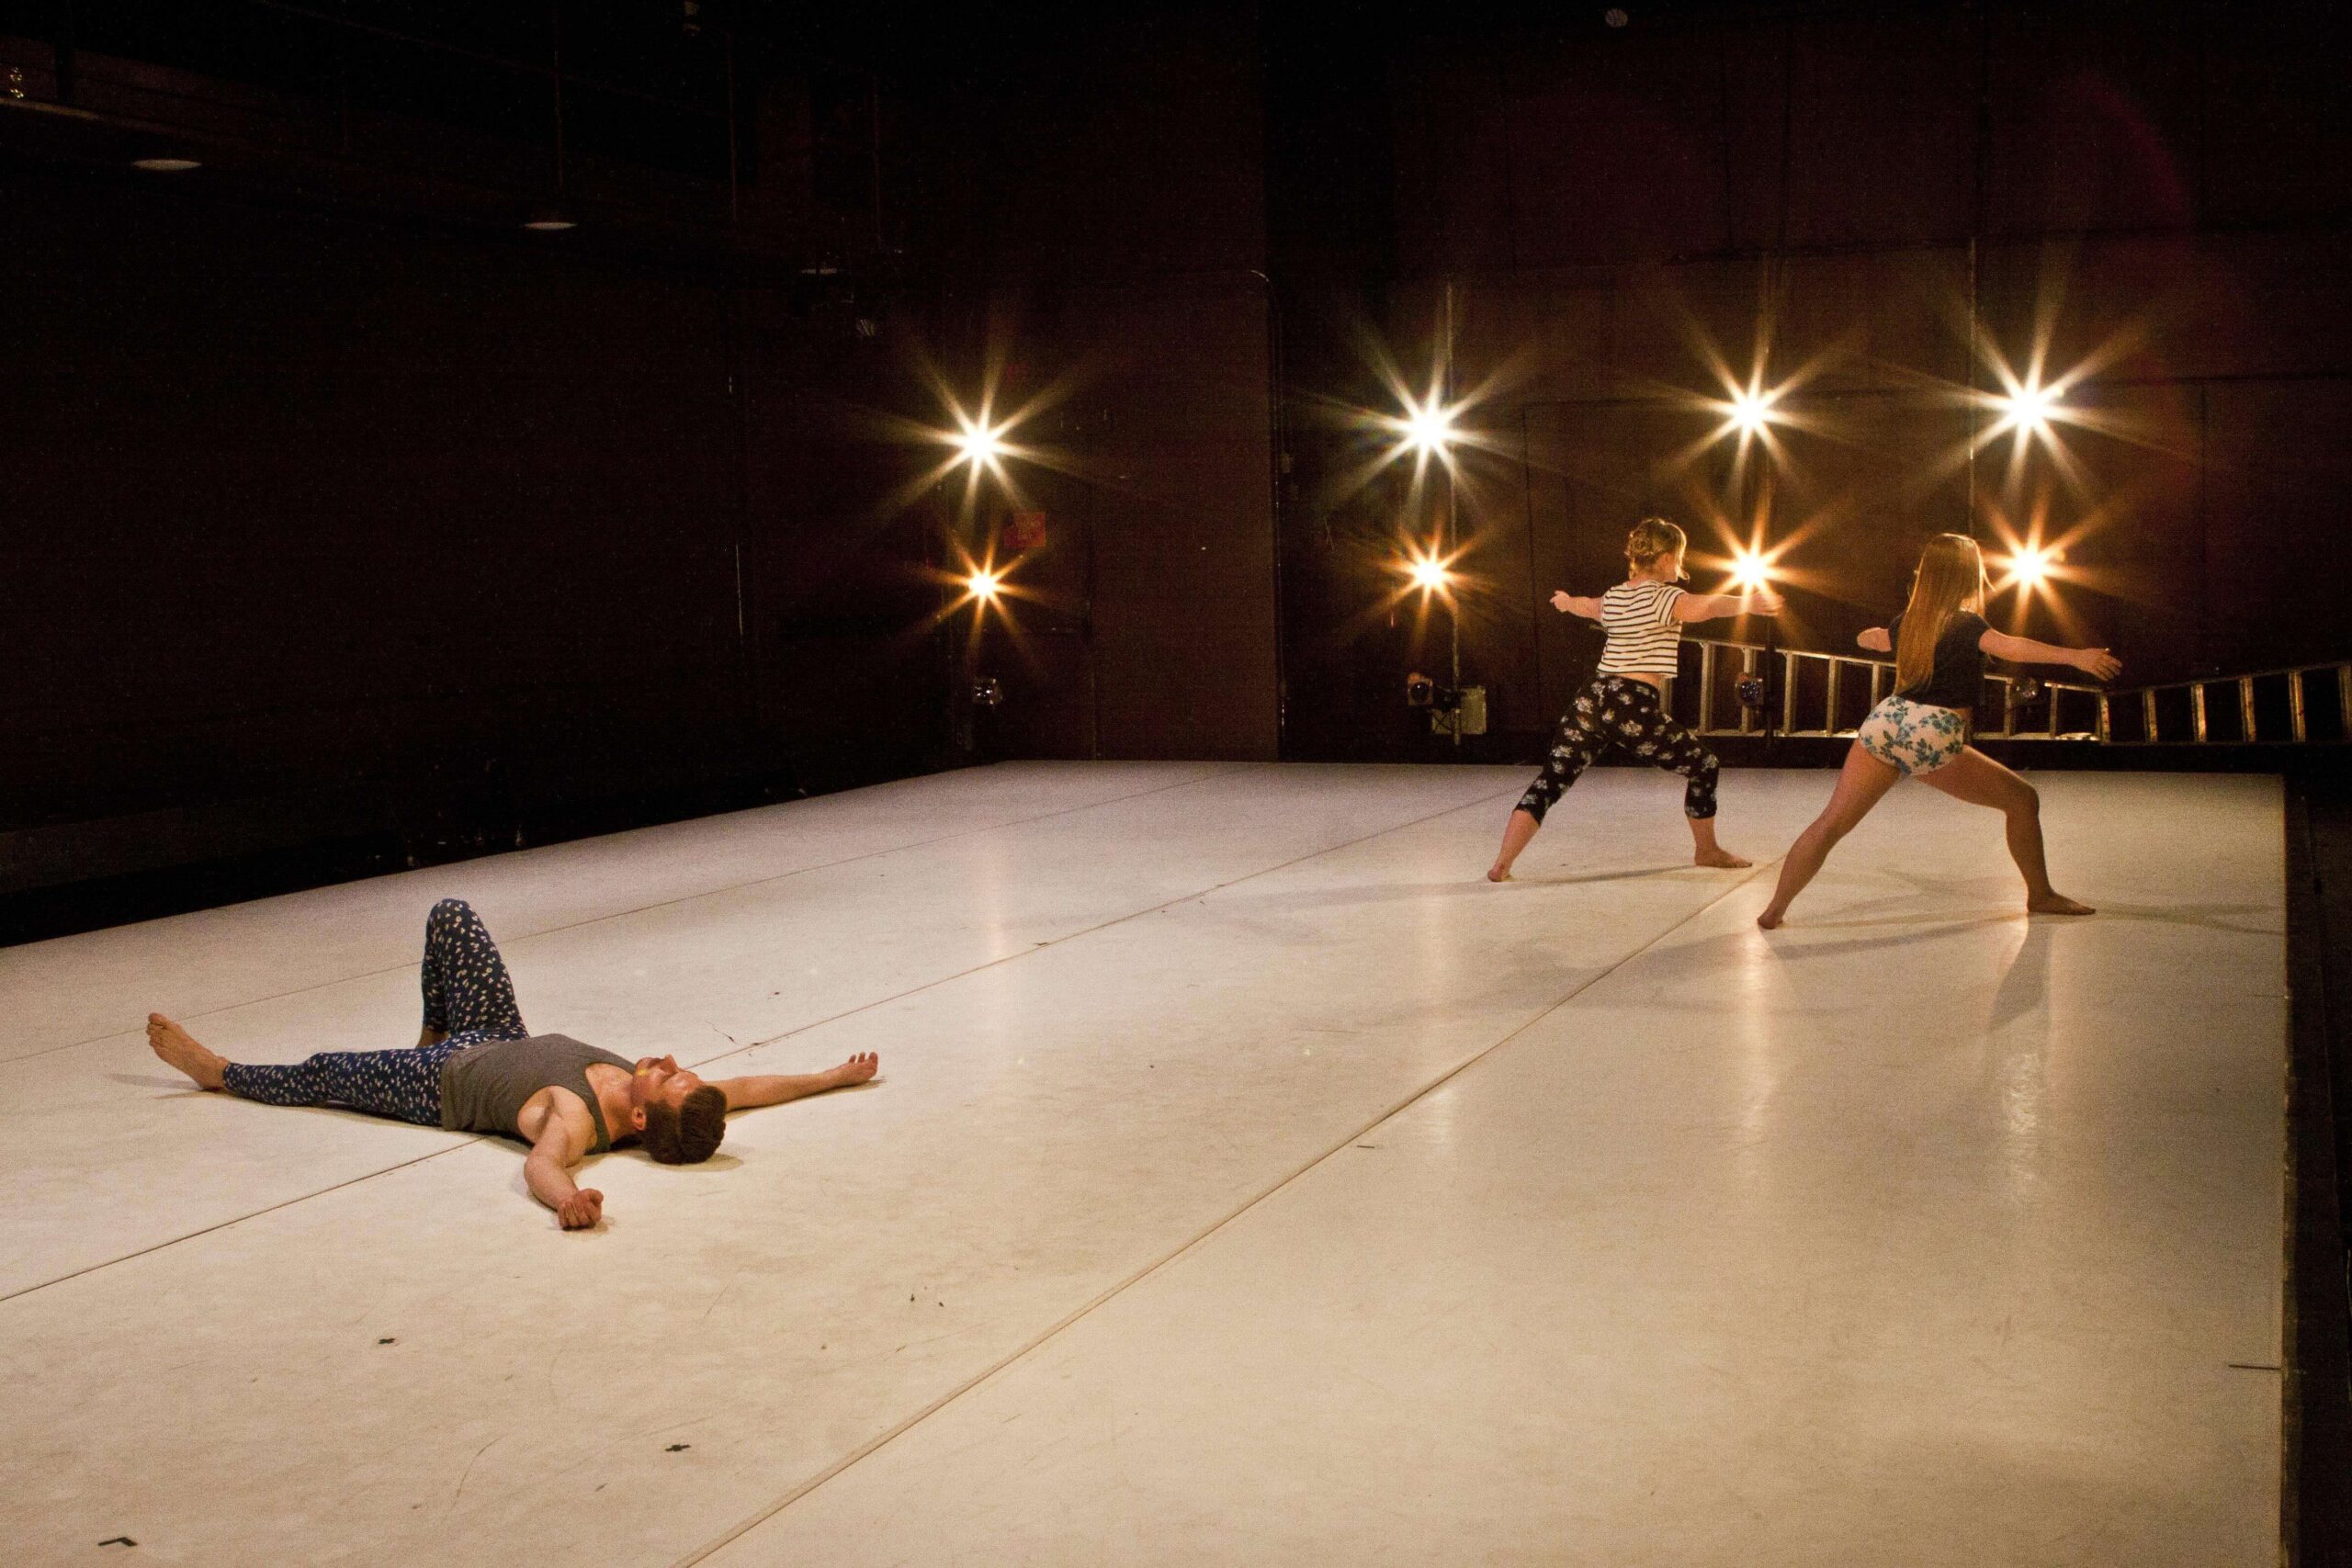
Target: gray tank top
x: 485, y: 1086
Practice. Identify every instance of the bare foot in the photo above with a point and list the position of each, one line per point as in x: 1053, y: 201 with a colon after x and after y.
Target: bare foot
x: 1499, y: 873
x: 2057, y: 904
x: 857, y: 1069
x: 176, y: 1046
x: 1771, y: 919
x: 1721, y: 858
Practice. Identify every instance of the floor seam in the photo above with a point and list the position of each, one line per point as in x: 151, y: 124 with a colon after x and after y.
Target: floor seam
x: 238, y: 1219
x: 1112, y: 1293
x: 1037, y: 948
x: 799, y: 1029
x: 668, y: 903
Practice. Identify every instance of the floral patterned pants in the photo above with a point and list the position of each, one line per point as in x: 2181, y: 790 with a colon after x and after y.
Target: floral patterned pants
x: 1913, y: 738
x: 1615, y: 711
x: 467, y: 994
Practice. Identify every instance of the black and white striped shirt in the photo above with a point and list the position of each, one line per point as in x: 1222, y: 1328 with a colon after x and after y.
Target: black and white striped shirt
x: 1643, y: 632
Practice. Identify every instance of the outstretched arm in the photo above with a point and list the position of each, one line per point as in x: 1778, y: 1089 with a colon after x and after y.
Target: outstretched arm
x: 1568, y: 604
x: 548, y: 1172
x: 1876, y: 639
x: 775, y: 1089
x: 1715, y: 607
x: 2095, y: 662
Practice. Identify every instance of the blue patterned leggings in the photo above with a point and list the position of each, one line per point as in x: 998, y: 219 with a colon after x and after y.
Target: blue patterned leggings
x: 1614, y: 711
x: 467, y: 995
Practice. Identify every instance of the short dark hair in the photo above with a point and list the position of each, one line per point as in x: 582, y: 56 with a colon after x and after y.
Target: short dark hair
x: 689, y: 1134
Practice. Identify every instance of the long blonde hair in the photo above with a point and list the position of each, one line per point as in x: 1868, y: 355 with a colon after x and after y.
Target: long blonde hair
x: 1950, y: 574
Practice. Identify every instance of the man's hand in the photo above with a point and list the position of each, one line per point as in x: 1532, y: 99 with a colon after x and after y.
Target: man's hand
x: 582, y: 1211
x: 1562, y: 601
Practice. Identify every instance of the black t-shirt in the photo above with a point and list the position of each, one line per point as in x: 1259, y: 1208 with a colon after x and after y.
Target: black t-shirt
x: 1958, y: 675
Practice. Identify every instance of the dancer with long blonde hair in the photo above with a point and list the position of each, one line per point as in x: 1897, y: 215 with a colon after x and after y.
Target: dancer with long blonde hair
x: 1940, y: 642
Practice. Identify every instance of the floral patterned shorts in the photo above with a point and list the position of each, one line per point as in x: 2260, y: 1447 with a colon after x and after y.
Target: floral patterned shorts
x: 1913, y: 738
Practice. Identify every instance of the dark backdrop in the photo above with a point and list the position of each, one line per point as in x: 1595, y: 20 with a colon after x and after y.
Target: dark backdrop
x: 339, y: 512
x: 323, y: 530
x: 1867, y: 193
x: 1101, y: 206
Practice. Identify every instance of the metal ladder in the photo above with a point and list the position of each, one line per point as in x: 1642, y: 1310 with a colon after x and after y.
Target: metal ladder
x: 2270, y: 706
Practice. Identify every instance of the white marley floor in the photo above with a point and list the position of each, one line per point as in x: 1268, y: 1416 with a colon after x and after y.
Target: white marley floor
x: 1248, y: 1182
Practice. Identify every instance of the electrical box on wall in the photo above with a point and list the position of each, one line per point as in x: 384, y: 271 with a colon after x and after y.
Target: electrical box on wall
x: 1466, y: 716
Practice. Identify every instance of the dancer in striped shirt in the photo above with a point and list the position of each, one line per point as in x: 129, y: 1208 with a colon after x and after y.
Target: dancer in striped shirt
x: 1624, y: 706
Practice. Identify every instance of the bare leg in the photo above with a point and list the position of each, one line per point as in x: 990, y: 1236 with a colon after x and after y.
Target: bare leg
x: 176, y: 1046
x: 1980, y: 781
x: 1705, y: 851
x: 1516, y: 832
x: 1861, y: 784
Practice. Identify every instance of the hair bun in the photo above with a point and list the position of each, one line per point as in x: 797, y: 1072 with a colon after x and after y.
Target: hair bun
x: 1653, y: 538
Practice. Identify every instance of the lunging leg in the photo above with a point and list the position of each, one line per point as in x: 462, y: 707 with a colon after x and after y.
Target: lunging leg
x: 1574, y: 747
x: 1861, y: 784
x: 1980, y: 781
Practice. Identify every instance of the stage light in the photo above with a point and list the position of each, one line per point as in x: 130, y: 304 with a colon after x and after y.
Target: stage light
x: 982, y: 586
x: 979, y: 443
x: 2029, y: 567
x: 1428, y: 427
x: 1750, y: 569
x: 1751, y: 410
x: 2029, y: 407
x: 1428, y: 572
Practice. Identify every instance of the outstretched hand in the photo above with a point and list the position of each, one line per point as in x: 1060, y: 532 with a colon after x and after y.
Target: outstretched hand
x: 858, y: 1068
x: 1564, y: 602
x: 581, y: 1211
x: 1764, y: 601
x: 2097, y: 663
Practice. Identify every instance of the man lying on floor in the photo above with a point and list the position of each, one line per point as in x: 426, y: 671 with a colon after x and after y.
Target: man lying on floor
x: 477, y: 1069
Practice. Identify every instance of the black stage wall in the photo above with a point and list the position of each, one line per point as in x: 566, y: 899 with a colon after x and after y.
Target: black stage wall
x: 329, y: 531
x: 1100, y: 209
x: 1867, y: 193
x: 349, y: 525
x: 340, y: 512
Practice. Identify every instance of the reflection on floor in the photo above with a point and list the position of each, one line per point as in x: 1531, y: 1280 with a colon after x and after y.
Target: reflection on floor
x: 1248, y: 1181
